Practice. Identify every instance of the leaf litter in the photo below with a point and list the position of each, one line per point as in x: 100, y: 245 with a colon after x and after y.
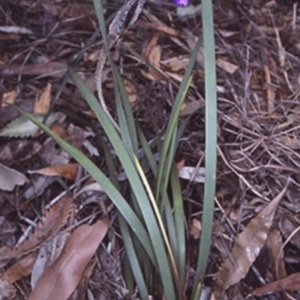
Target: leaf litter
x: 247, y: 246
x: 49, y: 225
x: 62, y: 277
x: 258, y: 116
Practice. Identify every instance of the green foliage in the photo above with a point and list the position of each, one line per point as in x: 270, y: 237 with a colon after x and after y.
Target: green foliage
x: 152, y: 225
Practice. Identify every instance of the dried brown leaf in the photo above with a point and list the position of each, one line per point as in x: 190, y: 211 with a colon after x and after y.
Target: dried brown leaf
x: 290, y: 141
x: 42, y: 103
x: 291, y: 283
x: 151, y: 44
x: 47, y: 255
x: 68, y: 171
x: 177, y: 63
x: 195, y: 228
x: 20, y: 269
x: 52, y: 68
x: 8, y: 98
x: 247, y: 246
x: 190, y: 107
x: 53, y: 220
x: 154, y: 56
x: 226, y: 66
x: 275, y: 244
x: 80, y: 291
x: 288, y: 227
x: 160, y: 28
x: 131, y: 90
x: 61, y: 279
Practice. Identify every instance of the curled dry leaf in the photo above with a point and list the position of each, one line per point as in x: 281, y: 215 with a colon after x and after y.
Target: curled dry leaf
x: 275, y: 244
x: 50, y: 224
x: 61, y: 279
x: 9, y: 178
x: 247, y: 247
x: 68, y: 171
x: 290, y: 283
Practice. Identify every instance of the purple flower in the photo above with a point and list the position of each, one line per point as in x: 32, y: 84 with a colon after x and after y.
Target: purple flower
x: 181, y: 2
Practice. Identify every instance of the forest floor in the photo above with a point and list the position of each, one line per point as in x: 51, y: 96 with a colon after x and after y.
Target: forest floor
x: 258, y: 83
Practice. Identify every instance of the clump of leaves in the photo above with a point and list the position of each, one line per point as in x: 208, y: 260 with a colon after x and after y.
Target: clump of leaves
x: 152, y: 227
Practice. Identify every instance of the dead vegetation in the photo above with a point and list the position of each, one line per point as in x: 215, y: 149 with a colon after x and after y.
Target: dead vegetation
x: 257, y: 51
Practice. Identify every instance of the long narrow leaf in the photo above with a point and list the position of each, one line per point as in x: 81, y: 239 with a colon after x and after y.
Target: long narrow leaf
x: 136, y: 271
x: 210, y: 141
x: 179, y: 223
x: 127, y: 109
x: 136, y: 184
x: 132, y: 257
x: 173, y: 120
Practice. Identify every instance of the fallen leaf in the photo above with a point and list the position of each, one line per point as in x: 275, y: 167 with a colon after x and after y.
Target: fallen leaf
x: 22, y: 127
x: 150, y: 45
x: 47, y: 255
x: 275, y: 244
x: 290, y: 141
x: 195, y: 228
x: 290, y: 283
x: 131, y: 90
x: 20, y: 269
x: 82, y: 287
x: 42, y: 103
x: 288, y: 228
x: 226, y: 66
x: 61, y: 279
x: 154, y: 56
x: 176, y: 64
x: 154, y: 61
x: 18, y: 150
x: 50, y: 224
x: 68, y: 171
x: 15, y: 29
x: 192, y: 173
x: 8, y: 98
x: 95, y: 186
x: 160, y: 28
x: 47, y: 69
x: 190, y: 107
x: 76, y: 135
x: 9, y: 178
x: 247, y: 247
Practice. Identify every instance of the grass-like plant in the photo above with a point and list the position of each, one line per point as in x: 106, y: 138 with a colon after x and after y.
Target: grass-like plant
x: 152, y: 225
